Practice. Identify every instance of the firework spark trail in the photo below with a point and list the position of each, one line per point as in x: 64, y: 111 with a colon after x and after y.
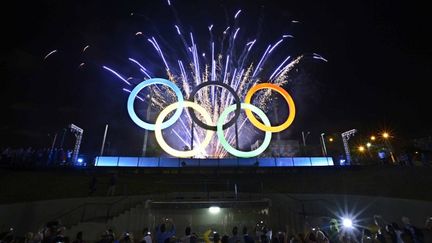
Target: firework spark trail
x: 142, y: 68
x: 186, y: 86
x: 195, y: 61
x: 281, y: 76
x: 237, y: 14
x: 49, y: 54
x: 161, y: 54
x: 232, y: 136
x: 226, y: 30
x: 257, y: 68
x: 229, y: 100
x: 178, y: 30
x: 222, y: 64
x: 85, y: 48
x: 185, y: 128
x: 278, y: 68
x: 235, y: 34
x: 180, y: 137
x: 251, y: 44
x: 126, y: 90
x: 118, y: 75
x: 139, y: 64
x: 213, y: 76
x: 275, y: 45
x: 226, y: 69
x: 145, y: 73
x: 319, y: 57
x: 213, y: 63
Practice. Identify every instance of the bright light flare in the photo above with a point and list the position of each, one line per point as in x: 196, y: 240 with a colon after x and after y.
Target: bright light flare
x: 347, y: 223
x: 214, y: 209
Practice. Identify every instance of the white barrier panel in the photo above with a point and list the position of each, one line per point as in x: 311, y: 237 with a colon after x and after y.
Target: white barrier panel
x: 155, y: 162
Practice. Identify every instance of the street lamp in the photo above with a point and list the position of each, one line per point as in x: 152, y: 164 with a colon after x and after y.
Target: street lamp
x: 368, y: 145
x: 361, y: 149
x: 385, y: 135
x: 372, y: 138
x: 330, y: 139
x: 304, y: 137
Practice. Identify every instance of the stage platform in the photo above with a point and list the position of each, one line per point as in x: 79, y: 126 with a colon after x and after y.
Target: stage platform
x: 161, y: 162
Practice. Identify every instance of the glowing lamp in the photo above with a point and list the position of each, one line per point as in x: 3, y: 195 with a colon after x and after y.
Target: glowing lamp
x: 347, y: 223
x: 214, y: 209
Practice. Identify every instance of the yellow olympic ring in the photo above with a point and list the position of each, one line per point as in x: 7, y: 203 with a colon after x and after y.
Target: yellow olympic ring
x: 286, y: 96
x: 161, y: 140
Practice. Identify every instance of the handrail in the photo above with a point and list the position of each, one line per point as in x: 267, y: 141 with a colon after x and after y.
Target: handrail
x: 83, y: 206
x: 70, y: 211
x: 306, y: 200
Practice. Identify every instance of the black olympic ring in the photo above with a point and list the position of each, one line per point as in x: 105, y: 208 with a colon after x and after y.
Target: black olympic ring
x: 231, y: 90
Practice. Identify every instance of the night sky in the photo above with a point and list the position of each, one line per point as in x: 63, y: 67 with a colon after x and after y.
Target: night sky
x: 376, y: 77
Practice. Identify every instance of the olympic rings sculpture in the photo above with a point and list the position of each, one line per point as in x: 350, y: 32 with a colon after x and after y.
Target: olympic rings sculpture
x: 220, y: 124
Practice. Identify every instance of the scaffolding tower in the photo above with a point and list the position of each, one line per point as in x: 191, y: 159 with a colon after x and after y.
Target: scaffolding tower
x: 78, y: 132
x: 345, y: 137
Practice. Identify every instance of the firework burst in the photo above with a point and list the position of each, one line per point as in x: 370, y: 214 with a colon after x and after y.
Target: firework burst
x: 217, y: 62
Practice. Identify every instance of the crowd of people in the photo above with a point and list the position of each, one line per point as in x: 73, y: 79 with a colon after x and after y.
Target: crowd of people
x: 165, y: 232
x: 55, y: 157
x: 32, y: 157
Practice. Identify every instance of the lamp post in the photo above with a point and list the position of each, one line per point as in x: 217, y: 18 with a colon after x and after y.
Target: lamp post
x: 51, y: 154
x: 103, y: 140
x: 386, y: 137
x: 323, y: 144
x: 144, y: 147
x: 304, y: 137
x: 304, y: 141
x: 63, y: 137
x: 368, y: 146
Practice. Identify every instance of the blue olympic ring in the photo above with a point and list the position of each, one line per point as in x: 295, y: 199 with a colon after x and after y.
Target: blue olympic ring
x: 139, y: 87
